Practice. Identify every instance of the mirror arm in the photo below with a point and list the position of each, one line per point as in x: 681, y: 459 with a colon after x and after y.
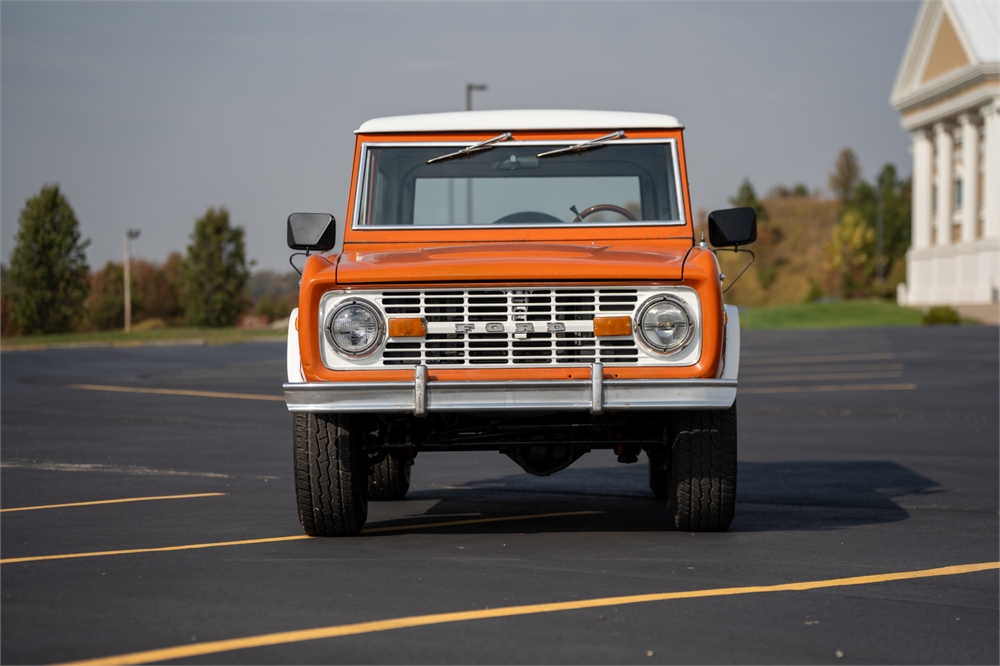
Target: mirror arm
x: 292, y: 263
x: 736, y: 248
x: 306, y: 255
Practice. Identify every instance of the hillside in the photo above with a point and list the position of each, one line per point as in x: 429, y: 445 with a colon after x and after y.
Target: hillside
x: 791, y: 252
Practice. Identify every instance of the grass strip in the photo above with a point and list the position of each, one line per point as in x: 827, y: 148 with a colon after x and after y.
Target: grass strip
x: 837, y: 314
x: 179, y: 335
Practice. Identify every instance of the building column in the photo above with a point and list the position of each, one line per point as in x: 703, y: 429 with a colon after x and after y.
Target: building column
x: 991, y: 171
x: 945, y: 144
x: 970, y: 177
x: 923, y: 183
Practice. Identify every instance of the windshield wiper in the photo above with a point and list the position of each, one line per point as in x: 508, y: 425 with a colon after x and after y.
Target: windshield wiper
x: 474, y: 148
x: 586, y: 145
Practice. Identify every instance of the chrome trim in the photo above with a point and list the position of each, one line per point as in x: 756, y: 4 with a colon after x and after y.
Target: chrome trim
x: 376, y: 344
x: 364, y: 174
x: 641, y: 313
x: 534, y: 395
x: 596, y: 389
x: 420, y: 390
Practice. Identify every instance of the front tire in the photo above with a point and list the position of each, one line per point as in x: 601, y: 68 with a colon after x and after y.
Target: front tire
x: 702, y: 494
x: 331, y: 474
x: 388, y: 480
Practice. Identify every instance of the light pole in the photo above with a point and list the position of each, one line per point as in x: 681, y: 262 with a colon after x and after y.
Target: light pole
x: 469, y: 87
x: 129, y: 236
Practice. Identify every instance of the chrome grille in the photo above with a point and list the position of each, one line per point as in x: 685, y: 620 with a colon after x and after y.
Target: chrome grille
x: 556, y: 322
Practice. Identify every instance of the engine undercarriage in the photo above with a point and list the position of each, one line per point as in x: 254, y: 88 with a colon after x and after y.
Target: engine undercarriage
x: 541, y: 443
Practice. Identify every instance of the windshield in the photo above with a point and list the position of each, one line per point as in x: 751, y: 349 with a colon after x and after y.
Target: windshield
x: 620, y: 183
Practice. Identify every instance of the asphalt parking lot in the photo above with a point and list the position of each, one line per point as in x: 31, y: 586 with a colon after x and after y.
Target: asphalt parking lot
x: 866, y: 527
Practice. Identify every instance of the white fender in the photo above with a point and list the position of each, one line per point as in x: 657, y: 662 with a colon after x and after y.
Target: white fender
x: 293, y: 360
x: 731, y: 363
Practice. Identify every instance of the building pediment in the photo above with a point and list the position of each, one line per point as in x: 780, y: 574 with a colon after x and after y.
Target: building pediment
x: 953, y: 45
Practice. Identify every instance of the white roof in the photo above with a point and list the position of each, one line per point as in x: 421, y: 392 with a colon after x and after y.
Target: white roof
x: 502, y: 121
x: 980, y: 21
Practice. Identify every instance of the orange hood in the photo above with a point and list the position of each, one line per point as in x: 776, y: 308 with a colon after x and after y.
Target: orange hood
x: 514, y: 262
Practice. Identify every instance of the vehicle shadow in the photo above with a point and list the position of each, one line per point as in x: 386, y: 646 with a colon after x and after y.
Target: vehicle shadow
x: 772, y: 496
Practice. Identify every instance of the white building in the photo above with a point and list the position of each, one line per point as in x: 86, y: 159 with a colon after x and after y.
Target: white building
x: 948, y: 92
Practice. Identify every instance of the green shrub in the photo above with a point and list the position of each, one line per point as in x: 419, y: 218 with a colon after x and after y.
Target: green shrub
x: 941, y: 315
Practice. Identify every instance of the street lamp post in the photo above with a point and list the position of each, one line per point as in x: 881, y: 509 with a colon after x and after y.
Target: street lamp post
x: 469, y: 87
x: 129, y: 236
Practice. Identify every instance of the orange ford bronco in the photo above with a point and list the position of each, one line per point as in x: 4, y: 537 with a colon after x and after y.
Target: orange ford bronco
x: 526, y: 282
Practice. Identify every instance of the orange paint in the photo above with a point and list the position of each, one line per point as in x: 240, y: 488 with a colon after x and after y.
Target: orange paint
x: 391, y: 257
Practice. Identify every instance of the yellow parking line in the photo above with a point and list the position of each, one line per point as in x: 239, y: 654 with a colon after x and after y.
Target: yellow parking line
x: 298, y: 537
x: 111, y: 501
x: 161, y: 549
x: 830, y: 387
x: 285, y: 637
x: 161, y: 391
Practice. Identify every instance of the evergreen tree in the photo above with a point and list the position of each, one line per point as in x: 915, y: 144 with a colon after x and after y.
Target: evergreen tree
x: 48, y: 275
x: 215, y: 272
x: 857, y: 229
x: 768, y: 237
x: 747, y: 196
x: 896, y: 211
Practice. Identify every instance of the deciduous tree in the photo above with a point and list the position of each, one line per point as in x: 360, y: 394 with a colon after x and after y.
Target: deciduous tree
x: 106, y: 303
x: 158, y: 288
x: 850, y: 253
x: 846, y: 174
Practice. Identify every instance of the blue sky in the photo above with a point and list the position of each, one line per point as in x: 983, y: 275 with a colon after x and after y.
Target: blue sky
x: 148, y: 113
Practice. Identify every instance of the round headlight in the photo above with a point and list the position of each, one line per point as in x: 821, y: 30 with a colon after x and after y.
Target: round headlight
x: 664, y: 324
x: 355, y: 328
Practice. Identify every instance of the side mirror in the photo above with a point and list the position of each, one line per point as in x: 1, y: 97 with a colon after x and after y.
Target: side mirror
x: 732, y: 227
x: 312, y: 231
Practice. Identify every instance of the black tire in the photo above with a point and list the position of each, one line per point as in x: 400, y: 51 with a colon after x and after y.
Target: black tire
x: 331, y: 474
x: 388, y: 480
x: 659, y: 477
x: 702, y: 495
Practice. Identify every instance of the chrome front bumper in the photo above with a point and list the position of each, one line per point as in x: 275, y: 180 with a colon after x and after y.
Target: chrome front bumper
x: 595, y: 395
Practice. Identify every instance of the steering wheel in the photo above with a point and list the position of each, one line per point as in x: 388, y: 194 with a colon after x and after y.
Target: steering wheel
x: 527, y: 217
x: 624, y: 212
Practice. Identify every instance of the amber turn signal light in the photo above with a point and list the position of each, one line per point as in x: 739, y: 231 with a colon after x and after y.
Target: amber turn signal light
x: 407, y: 327
x: 607, y: 326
